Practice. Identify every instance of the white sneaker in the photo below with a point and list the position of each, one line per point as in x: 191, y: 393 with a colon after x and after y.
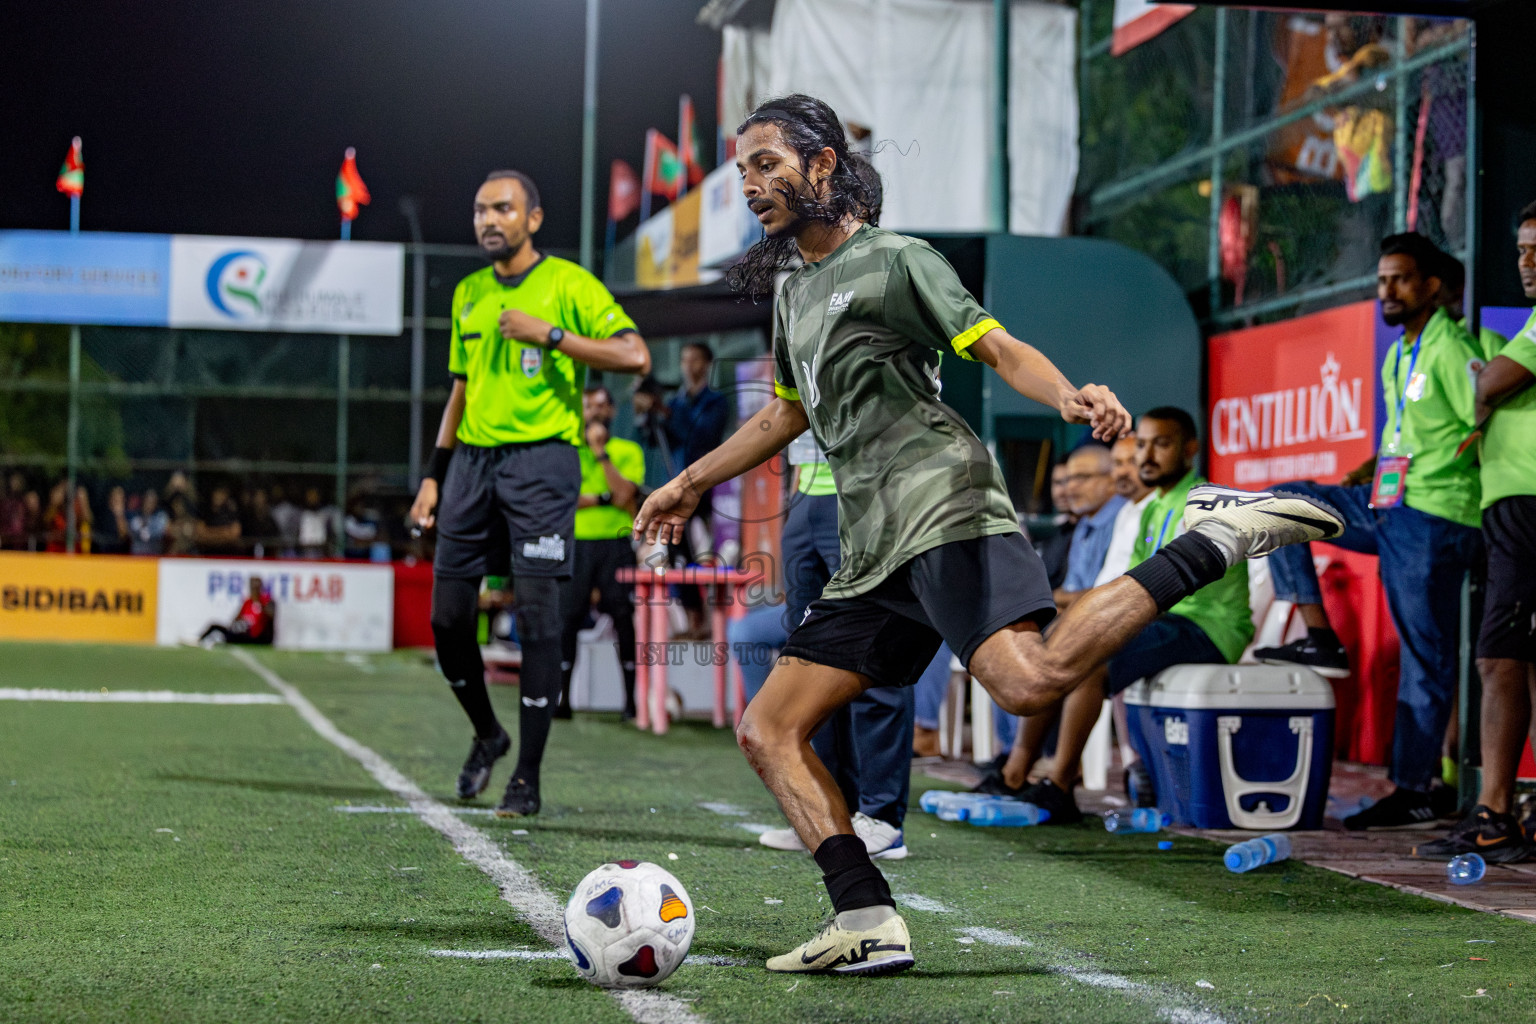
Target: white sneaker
x: 1247, y: 524
x: 883, y: 841
x: 782, y: 839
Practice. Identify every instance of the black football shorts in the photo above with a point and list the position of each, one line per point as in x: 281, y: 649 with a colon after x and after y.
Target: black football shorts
x: 508, y: 511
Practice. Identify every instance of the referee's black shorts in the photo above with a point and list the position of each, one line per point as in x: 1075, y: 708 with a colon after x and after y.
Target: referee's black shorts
x: 1509, y: 611
x: 508, y: 511
x: 961, y: 592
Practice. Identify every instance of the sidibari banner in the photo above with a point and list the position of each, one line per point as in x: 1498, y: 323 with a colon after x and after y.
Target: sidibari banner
x: 236, y: 284
x: 281, y: 284
x: 77, y: 598
x: 319, y: 606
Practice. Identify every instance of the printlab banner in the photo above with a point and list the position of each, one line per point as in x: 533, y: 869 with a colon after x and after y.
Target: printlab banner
x: 239, y: 284
x: 320, y: 606
x: 1294, y: 400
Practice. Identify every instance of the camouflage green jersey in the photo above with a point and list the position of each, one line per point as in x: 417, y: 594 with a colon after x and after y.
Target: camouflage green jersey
x: 857, y: 341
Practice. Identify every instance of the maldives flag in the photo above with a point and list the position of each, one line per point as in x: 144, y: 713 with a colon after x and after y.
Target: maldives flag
x: 688, y: 141
x: 623, y: 191
x: 350, y: 190
x: 72, y: 175
x: 663, y: 166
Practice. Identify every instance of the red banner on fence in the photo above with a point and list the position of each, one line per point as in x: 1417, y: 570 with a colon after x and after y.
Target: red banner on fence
x: 1293, y: 400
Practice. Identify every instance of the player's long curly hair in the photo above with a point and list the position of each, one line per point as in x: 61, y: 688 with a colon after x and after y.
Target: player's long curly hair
x: 852, y: 190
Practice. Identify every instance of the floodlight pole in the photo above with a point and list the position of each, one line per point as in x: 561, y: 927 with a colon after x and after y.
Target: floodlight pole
x: 418, y: 335
x: 1000, y: 13
x: 72, y: 440
x: 589, y: 137
x: 1218, y: 162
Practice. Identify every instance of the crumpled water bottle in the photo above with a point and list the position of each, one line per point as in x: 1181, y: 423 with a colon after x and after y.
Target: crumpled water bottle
x: 1466, y: 869
x: 1142, y: 819
x: 1255, y: 853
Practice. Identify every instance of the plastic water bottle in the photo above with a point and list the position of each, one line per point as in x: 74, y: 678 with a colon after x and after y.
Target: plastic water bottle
x: 948, y: 805
x: 1142, y: 819
x: 1009, y: 812
x: 1256, y: 853
x: 1466, y: 869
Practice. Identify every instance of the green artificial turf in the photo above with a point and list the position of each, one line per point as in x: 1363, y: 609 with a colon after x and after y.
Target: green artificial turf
x: 188, y: 863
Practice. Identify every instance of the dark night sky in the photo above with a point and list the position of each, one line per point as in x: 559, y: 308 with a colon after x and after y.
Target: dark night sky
x: 231, y: 117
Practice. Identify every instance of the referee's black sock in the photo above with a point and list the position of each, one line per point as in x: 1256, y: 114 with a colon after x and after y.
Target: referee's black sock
x: 455, y: 608
x: 1180, y: 568
x: 538, y: 633
x: 853, y: 882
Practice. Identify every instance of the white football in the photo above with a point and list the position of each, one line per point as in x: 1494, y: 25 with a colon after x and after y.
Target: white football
x: 628, y: 925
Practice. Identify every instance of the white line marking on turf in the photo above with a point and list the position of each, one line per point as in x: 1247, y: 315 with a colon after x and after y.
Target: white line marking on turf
x: 555, y: 954
x: 137, y: 696
x: 517, y: 885
x: 913, y: 901
x: 728, y: 810
x: 483, y: 812
x: 1175, y: 1014
x: 755, y: 828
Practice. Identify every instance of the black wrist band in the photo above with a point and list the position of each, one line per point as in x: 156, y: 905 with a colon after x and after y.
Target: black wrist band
x: 437, y: 466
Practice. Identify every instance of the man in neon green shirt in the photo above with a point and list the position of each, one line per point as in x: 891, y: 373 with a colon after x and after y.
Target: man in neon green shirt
x: 1506, y: 648
x: 504, y: 478
x: 1422, y: 520
x: 612, y: 470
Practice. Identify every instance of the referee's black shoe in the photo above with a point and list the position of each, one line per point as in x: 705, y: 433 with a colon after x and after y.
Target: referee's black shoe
x: 483, y: 754
x: 521, y: 800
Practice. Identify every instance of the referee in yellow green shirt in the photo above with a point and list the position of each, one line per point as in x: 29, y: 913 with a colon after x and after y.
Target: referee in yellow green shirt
x: 505, y: 475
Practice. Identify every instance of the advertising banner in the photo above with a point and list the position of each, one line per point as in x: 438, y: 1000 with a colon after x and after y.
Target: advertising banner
x: 1294, y: 400
x: 280, y: 284
x: 53, y: 277
x: 77, y: 598
x: 319, y: 606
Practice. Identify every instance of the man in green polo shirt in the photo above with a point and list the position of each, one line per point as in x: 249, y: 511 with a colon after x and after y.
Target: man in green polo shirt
x: 1420, y: 515
x: 612, y: 470
x: 1506, y: 647
x: 504, y: 478
x: 1210, y: 627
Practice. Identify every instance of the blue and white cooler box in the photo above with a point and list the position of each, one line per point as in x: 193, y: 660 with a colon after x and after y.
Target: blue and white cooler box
x: 1236, y: 746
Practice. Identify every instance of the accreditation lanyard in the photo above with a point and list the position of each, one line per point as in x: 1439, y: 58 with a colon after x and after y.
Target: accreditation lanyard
x: 1163, y: 533
x: 1391, y: 480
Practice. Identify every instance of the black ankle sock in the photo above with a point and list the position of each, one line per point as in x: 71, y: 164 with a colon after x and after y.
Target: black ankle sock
x: 476, y: 703
x: 1182, y: 567
x: 1323, y: 636
x: 539, y: 681
x: 853, y: 882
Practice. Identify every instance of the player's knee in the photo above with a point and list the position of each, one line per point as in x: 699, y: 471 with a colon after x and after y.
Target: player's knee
x: 454, y: 606
x: 538, y: 608
x: 1023, y: 687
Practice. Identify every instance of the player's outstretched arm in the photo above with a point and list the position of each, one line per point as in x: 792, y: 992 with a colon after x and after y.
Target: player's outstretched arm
x: 622, y: 353
x: 1029, y: 372
x: 665, y: 513
x: 424, y: 508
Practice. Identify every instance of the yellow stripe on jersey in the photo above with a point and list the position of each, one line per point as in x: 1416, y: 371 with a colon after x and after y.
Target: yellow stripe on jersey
x: 965, y: 339
x: 788, y: 394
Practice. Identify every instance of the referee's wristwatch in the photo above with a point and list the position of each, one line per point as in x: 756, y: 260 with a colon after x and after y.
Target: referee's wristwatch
x: 556, y: 336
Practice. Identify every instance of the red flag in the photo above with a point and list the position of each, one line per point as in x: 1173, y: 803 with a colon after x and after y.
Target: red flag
x: 688, y: 141
x: 350, y: 190
x: 663, y: 166
x: 71, y: 179
x: 623, y: 191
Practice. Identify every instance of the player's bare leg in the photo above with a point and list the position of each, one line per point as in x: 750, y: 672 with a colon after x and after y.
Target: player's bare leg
x: 867, y: 936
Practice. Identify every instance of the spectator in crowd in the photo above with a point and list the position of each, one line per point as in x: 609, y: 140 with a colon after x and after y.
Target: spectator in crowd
x: 218, y: 529
x: 1211, y: 626
x: 13, y: 513
x: 612, y: 470
x: 1091, y: 496
x: 180, y: 484
x: 181, y: 525
x: 56, y: 519
x: 1055, y: 548
x: 1506, y: 648
x: 252, y: 624
x: 34, y: 520
x: 286, y: 515
x: 1125, y: 472
x: 258, y: 527
x: 693, y: 424
x: 147, y: 526
x: 361, y: 528
x: 317, y: 526
x: 1421, y: 515
x: 114, y: 536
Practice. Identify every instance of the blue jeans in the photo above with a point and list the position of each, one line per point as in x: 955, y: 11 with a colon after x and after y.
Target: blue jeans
x: 1423, y: 561
x: 867, y: 746
x: 754, y: 640
x: 931, y: 687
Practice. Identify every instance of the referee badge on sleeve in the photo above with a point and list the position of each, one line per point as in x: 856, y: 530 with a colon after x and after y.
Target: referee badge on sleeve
x: 533, y: 361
